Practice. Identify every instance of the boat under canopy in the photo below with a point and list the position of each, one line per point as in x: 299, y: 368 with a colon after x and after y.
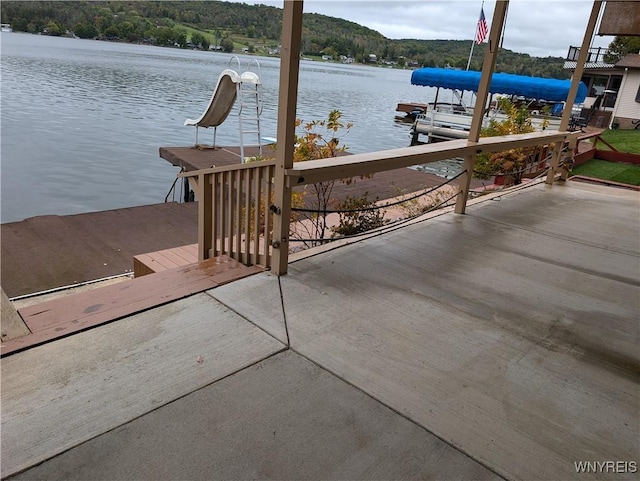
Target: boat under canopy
x: 551, y: 90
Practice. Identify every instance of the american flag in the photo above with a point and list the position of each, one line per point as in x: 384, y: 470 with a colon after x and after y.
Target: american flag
x: 481, y: 33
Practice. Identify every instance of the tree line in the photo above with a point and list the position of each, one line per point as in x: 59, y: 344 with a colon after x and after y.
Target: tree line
x: 230, y: 26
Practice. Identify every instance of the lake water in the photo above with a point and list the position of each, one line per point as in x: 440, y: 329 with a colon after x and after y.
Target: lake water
x: 82, y: 120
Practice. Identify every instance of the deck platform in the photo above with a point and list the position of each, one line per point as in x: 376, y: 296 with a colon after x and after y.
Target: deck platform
x: 71, y: 249
x: 499, y: 344
x: 74, y: 313
x: 165, y: 259
x: 203, y: 157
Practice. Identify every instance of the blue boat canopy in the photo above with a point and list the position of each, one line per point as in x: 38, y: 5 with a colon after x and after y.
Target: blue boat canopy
x: 551, y: 90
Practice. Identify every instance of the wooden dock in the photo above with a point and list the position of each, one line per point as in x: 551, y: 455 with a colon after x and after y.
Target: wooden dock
x: 51, y: 251
x: 205, y: 157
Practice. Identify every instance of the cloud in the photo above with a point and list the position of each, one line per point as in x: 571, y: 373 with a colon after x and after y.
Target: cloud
x: 540, y: 28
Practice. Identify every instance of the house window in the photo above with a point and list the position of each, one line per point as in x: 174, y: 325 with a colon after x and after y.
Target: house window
x: 638, y: 95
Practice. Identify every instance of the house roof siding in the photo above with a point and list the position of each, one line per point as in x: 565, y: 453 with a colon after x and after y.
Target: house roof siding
x: 631, y: 60
x: 628, y: 107
x: 571, y: 65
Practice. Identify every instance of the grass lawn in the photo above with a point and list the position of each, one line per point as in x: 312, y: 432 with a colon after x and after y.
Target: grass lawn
x: 614, y: 171
x: 623, y: 140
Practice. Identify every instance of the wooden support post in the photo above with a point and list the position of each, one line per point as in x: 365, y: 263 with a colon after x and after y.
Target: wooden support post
x: 573, y: 144
x: 287, y: 101
x: 465, y: 184
x: 488, y: 66
x: 12, y: 324
x: 205, y: 217
x: 575, y: 81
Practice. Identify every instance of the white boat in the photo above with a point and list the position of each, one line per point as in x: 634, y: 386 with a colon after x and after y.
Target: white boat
x: 453, y: 121
x: 446, y: 122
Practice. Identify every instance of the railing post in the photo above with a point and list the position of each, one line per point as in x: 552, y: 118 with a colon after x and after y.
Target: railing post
x: 488, y: 65
x: 289, y: 67
x: 573, y: 143
x: 465, y: 184
x: 575, y: 80
x: 205, y: 216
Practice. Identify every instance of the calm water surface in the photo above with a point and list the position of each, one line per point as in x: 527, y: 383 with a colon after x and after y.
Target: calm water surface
x: 82, y: 120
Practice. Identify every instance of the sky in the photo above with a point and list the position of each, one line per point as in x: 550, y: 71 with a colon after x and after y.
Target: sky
x: 540, y: 28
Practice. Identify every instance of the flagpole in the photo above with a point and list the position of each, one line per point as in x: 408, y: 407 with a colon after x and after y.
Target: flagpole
x: 473, y: 42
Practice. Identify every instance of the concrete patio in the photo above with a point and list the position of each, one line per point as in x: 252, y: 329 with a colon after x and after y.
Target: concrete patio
x: 503, y: 343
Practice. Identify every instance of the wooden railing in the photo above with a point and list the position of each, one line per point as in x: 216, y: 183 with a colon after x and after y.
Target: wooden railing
x: 362, y: 164
x: 594, y: 55
x: 236, y: 203
x: 234, y: 216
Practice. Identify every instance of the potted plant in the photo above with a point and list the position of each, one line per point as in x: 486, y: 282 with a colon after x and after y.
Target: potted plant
x: 507, y: 166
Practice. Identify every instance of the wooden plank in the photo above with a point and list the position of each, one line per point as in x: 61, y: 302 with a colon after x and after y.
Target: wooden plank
x: 159, y: 262
x: 410, y: 107
x: 593, y: 180
x: 85, y: 247
x: 140, y: 268
x: 620, y: 19
x: 192, y: 158
x: 622, y: 157
x: 12, y: 324
x: 165, y: 259
x: 188, y: 253
x: 75, y: 313
x: 322, y: 170
x: 232, y: 275
x: 99, y: 301
x: 169, y: 258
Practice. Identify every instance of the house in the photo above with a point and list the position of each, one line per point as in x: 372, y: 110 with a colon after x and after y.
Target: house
x: 614, y: 95
x: 626, y: 111
x: 603, y: 80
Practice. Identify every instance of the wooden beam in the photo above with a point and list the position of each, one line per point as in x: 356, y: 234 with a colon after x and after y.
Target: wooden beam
x: 226, y: 168
x: 582, y: 58
x: 205, y: 217
x: 313, y: 171
x: 575, y: 81
x: 488, y: 66
x: 287, y: 102
x: 12, y: 324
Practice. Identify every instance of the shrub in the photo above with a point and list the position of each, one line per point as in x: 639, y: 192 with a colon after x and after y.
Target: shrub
x: 509, y: 162
x: 360, y: 218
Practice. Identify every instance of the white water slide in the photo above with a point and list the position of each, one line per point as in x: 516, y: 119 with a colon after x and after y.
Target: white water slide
x: 222, y: 101
x: 230, y: 86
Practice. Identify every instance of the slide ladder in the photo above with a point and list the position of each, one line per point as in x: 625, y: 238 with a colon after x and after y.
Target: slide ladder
x: 244, y: 89
x: 250, y: 106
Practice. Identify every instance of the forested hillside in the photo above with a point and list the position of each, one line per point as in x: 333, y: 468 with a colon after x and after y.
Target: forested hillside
x: 253, y: 29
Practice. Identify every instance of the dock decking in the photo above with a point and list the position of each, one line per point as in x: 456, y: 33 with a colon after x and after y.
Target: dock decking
x: 202, y: 157
x: 61, y: 317
x: 51, y: 251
